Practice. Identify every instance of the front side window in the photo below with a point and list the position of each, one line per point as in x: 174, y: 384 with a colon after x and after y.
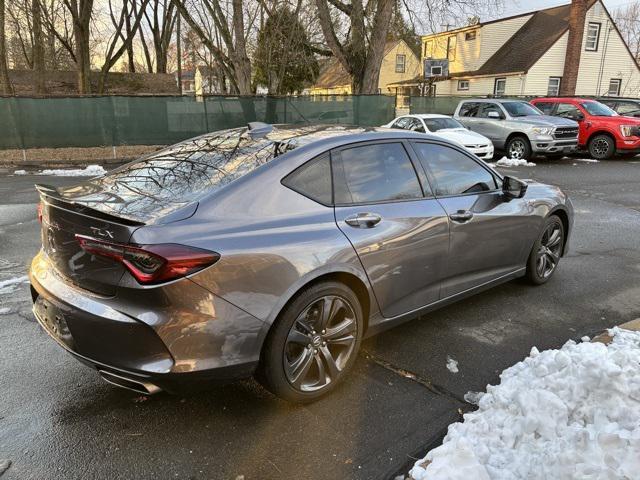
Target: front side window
x: 491, y: 107
x: 416, y: 125
x: 553, y: 90
x: 400, y: 63
x: 374, y: 173
x: 593, y: 37
x: 500, y: 87
x: 401, y: 123
x: 628, y: 107
x: 313, y: 180
x: 469, y: 109
x: 453, y: 172
x: 614, y: 87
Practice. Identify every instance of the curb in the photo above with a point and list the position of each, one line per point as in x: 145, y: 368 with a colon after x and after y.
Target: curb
x: 604, y: 337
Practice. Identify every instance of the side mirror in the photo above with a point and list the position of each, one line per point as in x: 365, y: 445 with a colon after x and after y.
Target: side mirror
x: 578, y: 117
x: 494, y: 115
x: 513, y: 188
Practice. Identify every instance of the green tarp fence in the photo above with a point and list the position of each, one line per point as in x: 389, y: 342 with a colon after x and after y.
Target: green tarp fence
x: 162, y: 120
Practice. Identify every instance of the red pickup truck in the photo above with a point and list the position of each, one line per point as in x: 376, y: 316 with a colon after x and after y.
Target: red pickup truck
x: 603, y: 132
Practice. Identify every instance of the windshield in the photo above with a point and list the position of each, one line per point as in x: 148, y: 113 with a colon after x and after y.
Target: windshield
x: 435, y: 124
x: 520, y: 109
x: 598, y: 109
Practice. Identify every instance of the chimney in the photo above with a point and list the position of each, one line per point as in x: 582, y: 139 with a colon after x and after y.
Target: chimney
x: 574, y: 47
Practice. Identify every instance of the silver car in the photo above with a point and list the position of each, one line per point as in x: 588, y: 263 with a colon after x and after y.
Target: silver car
x: 518, y: 128
x: 275, y: 250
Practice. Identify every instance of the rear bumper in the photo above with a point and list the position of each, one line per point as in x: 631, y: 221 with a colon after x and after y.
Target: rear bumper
x: 146, y: 341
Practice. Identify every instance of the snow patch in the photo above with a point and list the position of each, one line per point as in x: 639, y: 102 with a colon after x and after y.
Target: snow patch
x: 452, y: 365
x: 514, y: 162
x: 563, y: 414
x: 588, y: 160
x: 90, y: 171
x: 19, y: 172
x: 8, y: 286
x: 4, y: 310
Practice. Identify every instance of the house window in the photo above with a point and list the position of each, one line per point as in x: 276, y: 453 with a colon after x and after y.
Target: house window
x: 452, y: 43
x: 500, y: 87
x: 593, y: 37
x: 614, y: 87
x: 463, y: 84
x: 436, y: 70
x: 553, y: 90
x: 400, y: 63
x: 428, y: 49
x: 470, y: 36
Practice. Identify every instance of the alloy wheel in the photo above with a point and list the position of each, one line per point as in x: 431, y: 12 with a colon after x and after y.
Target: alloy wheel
x: 517, y: 149
x: 320, y: 343
x: 549, y: 251
x: 600, y: 148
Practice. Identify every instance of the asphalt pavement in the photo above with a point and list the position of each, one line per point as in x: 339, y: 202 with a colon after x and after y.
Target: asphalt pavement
x: 59, y: 420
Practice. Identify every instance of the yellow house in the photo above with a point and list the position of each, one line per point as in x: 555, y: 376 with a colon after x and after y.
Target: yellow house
x: 399, y: 63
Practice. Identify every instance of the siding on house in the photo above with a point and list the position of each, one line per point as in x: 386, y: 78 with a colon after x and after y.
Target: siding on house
x: 595, y: 73
x: 388, y: 72
x: 481, y: 86
x: 551, y: 64
x: 495, y: 35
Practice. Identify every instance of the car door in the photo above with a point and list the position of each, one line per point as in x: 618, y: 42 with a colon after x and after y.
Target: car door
x: 573, y: 112
x: 399, y: 230
x: 492, y: 128
x: 490, y: 236
x: 468, y: 114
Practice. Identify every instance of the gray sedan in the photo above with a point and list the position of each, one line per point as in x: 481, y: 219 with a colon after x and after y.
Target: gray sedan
x: 275, y: 250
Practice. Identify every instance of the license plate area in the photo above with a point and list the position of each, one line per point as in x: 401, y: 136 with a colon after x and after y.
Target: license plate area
x: 53, y: 320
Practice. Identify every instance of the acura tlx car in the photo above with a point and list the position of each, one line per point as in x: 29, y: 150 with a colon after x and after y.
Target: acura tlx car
x: 275, y: 250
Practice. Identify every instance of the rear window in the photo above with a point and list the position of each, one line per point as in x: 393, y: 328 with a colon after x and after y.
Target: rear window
x: 181, y: 174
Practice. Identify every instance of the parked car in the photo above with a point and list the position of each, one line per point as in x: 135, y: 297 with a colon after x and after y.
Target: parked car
x: 628, y: 107
x: 276, y: 250
x: 446, y: 127
x: 603, y: 132
x: 518, y: 128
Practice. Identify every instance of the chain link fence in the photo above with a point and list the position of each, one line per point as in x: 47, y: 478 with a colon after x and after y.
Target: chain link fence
x: 161, y: 120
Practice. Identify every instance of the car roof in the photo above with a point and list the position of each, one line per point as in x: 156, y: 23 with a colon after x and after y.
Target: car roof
x: 564, y: 99
x: 493, y: 100
x: 426, y: 115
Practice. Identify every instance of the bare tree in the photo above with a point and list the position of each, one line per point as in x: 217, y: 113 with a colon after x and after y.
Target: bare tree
x: 230, y: 25
x: 122, y: 37
x: 627, y: 20
x: 81, y: 11
x: 361, y: 50
x: 38, y: 48
x: 5, y: 83
x: 160, y: 20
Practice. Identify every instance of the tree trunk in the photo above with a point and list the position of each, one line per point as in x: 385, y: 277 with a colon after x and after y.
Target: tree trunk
x: 38, y: 48
x: 81, y: 11
x: 5, y: 83
x: 241, y: 62
x: 377, y: 41
x: 127, y: 20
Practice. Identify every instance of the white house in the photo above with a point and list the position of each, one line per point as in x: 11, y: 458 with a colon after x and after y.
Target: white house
x: 573, y: 49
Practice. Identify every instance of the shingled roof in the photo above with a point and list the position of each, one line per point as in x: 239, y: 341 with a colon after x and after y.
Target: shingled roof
x: 529, y: 43
x: 334, y: 74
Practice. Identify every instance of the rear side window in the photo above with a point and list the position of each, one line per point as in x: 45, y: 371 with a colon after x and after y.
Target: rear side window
x: 453, y: 172
x: 545, y: 107
x: 374, y: 173
x: 469, y: 109
x: 313, y: 180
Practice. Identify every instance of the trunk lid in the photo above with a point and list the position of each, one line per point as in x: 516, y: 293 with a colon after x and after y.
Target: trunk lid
x: 62, y: 220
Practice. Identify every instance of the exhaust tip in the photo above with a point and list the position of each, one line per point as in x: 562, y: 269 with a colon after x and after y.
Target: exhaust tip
x: 138, y: 386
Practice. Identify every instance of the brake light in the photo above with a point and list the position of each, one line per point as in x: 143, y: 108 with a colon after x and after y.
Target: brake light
x: 152, y: 264
x: 40, y: 212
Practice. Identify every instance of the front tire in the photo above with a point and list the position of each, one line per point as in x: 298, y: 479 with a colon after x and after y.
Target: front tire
x: 313, y: 343
x: 518, y: 148
x: 602, y: 147
x: 546, y: 252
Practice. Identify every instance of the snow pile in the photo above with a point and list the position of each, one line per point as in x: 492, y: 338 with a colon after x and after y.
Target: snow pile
x: 559, y: 414
x: 8, y: 286
x: 452, y: 365
x: 514, y: 162
x: 90, y: 171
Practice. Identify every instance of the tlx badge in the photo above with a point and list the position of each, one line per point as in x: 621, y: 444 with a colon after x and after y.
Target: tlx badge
x: 102, y: 232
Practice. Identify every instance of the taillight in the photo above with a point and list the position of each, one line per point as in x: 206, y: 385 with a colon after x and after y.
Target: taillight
x: 40, y: 212
x: 152, y: 264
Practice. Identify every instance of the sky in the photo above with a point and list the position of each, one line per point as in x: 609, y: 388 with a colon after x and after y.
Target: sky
x: 513, y: 7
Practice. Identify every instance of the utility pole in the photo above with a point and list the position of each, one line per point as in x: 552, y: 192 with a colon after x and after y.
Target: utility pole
x: 179, y: 52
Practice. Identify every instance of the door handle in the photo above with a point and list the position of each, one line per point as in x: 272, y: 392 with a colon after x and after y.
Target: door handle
x: 363, y: 220
x: 461, y: 216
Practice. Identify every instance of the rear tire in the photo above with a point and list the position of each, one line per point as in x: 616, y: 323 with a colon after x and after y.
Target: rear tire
x: 518, y: 148
x: 313, y: 343
x: 546, y: 252
x: 602, y: 147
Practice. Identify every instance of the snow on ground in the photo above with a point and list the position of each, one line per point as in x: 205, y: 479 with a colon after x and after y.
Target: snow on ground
x: 90, y: 171
x: 452, y: 365
x: 513, y: 162
x: 559, y: 414
x: 4, y: 310
x: 8, y: 286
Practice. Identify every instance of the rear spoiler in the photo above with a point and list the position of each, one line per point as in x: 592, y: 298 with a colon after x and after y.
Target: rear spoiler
x: 53, y: 197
